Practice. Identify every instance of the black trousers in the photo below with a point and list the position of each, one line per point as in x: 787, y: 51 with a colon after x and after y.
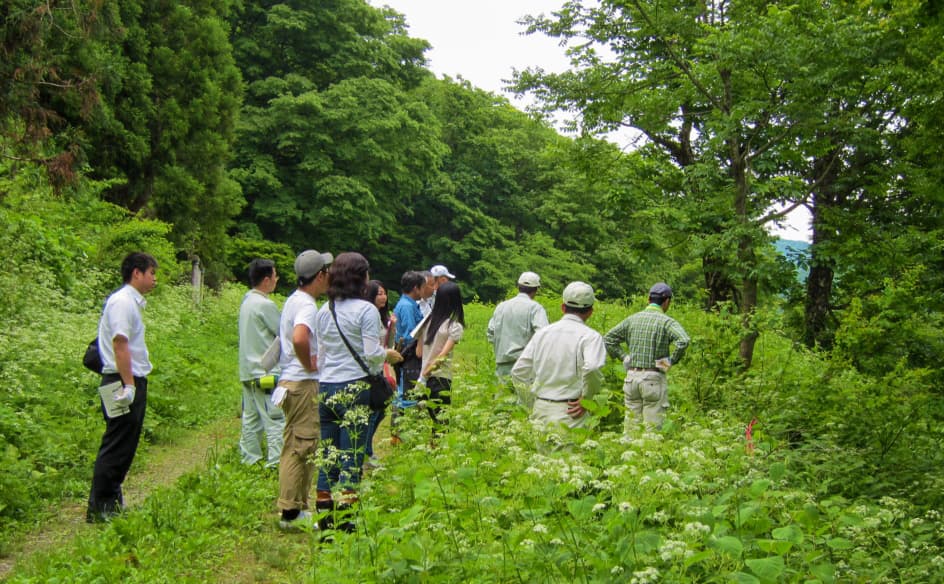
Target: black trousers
x: 438, y: 396
x: 119, y: 444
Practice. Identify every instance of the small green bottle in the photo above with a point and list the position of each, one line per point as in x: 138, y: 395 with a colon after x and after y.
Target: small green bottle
x: 268, y: 382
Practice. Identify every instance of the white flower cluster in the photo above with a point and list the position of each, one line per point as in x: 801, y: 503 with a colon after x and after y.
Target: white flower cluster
x: 648, y: 576
x: 696, y: 529
x: 674, y: 549
x: 626, y: 507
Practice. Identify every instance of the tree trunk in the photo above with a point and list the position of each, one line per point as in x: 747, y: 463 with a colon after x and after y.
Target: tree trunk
x: 819, y: 282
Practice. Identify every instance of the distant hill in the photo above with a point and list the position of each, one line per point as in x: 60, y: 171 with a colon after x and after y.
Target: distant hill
x: 797, y: 253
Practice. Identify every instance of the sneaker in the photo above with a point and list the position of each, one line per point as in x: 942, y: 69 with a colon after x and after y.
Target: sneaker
x: 304, y: 522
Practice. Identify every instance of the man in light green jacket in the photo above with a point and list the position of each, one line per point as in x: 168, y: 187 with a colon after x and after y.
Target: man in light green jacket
x: 513, y: 324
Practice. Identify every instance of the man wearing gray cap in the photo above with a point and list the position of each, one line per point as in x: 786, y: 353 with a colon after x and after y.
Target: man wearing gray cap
x: 297, y: 393
x: 563, y: 363
x: 647, y: 336
x: 513, y: 324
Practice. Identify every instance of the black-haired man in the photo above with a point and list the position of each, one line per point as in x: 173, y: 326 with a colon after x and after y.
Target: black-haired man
x: 258, y: 326
x: 125, y: 365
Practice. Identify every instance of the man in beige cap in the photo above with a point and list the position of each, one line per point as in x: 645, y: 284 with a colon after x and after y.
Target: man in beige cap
x: 513, y: 324
x: 563, y: 363
x: 297, y: 393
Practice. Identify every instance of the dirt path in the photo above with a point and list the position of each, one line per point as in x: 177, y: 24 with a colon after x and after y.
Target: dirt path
x: 163, y: 465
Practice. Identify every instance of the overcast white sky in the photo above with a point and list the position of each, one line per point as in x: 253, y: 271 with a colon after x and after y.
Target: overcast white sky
x: 481, y: 41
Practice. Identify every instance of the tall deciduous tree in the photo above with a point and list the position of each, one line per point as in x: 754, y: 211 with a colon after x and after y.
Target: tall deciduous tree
x: 333, y: 147
x: 724, y: 89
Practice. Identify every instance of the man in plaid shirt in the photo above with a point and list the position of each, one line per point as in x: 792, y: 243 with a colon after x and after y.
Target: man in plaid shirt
x: 647, y: 336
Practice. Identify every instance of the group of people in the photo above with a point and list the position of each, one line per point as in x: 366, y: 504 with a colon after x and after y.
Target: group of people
x: 305, y: 371
x: 555, y: 366
x: 328, y: 357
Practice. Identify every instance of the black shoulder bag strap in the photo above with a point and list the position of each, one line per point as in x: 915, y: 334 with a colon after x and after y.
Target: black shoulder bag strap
x: 346, y: 342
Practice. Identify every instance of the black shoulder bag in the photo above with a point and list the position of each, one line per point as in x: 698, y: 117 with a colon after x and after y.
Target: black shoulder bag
x: 380, y: 389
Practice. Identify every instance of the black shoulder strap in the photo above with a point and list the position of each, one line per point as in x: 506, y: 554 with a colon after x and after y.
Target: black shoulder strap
x: 346, y: 342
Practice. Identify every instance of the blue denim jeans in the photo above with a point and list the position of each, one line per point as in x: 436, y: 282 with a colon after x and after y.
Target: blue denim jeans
x: 343, y: 430
x: 376, y: 417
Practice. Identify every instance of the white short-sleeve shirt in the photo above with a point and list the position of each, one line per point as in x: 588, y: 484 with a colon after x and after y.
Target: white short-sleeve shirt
x: 122, y: 317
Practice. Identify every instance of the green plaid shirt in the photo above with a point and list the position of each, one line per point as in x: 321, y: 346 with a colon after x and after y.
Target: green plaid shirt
x: 647, y: 334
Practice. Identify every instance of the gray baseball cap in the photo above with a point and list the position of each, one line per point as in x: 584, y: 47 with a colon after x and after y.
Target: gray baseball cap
x: 310, y: 262
x: 579, y: 295
x: 661, y: 289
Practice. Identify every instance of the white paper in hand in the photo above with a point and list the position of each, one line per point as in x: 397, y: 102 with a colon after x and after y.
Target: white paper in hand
x: 278, y: 396
x: 112, y: 408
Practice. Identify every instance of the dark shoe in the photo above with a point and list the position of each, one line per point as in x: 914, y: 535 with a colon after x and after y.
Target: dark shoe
x: 325, y: 511
x: 304, y: 522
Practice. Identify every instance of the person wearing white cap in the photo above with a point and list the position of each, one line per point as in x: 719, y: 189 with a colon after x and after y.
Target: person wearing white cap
x: 563, y: 363
x: 436, y: 275
x: 513, y: 324
x: 647, y: 336
x: 297, y: 392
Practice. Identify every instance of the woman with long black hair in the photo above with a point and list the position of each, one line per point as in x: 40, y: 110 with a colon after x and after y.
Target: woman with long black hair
x: 377, y: 295
x: 435, y: 340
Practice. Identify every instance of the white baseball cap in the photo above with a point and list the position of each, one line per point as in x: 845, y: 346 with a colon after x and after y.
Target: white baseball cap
x: 579, y: 295
x: 441, y: 270
x: 529, y: 279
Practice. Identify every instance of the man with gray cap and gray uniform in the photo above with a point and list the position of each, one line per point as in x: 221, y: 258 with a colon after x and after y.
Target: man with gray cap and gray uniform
x: 513, y: 324
x: 297, y: 392
x: 563, y: 363
x: 647, y: 336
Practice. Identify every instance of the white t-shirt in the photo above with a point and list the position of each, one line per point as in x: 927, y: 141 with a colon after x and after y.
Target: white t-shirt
x: 299, y: 309
x: 122, y: 316
x: 360, y: 321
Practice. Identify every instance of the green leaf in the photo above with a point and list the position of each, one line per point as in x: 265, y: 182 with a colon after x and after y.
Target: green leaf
x: 744, y: 578
x: 729, y: 545
x: 790, y: 533
x: 777, y: 471
x: 825, y: 572
x: 759, y: 487
x: 767, y: 569
x: 839, y: 543
x: 774, y: 546
x: 698, y: 557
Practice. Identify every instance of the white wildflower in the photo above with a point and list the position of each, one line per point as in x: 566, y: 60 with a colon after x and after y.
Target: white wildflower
x: 540, y: 528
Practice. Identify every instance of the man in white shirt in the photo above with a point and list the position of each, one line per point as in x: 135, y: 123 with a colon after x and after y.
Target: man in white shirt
x: 434, y: 277
x: 125, y: 360
x: 262, y: 422
x: 297, y: 392
x: 513, y: 324
x: 563, y: 363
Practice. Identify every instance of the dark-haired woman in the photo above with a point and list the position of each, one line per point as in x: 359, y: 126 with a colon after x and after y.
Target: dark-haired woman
x: 377, y: 295
x: 344, y: 396
x: 437, y: 337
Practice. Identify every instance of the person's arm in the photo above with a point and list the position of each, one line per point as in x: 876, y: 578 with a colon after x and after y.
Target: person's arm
x: 614, y: 338
x: 436, y: 362
x: 301, y: 340
x: 270, y: 318
x: 538, y: 318
x: 593, y: 355
x: 123, y: 359
x: 490, y: 331
x: 420, y: 338
x: 681, y: 339
x: 522, y: 372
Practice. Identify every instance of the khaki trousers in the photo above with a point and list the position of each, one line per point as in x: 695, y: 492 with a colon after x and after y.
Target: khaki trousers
x: 302, y: 429
x: 646, y: 396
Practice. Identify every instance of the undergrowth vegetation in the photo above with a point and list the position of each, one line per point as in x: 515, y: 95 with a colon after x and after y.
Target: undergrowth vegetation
x: 804, y: 496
